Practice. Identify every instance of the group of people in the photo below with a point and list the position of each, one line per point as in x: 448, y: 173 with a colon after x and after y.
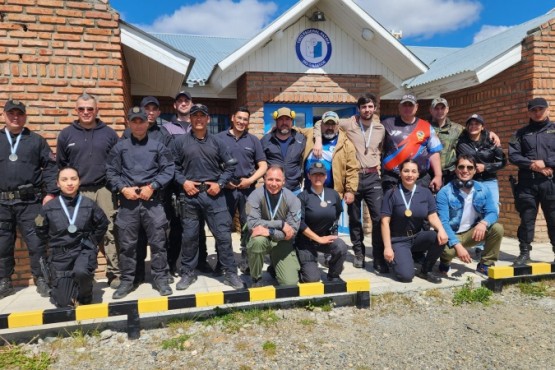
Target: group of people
x: 160, y: 184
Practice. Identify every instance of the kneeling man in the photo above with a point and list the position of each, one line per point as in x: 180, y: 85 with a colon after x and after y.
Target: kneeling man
x: 468, y: 213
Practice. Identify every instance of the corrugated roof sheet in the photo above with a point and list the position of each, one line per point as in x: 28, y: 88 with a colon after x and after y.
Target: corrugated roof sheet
x: 429, y: 54
x: 477, y: 55
x: 208, y: 51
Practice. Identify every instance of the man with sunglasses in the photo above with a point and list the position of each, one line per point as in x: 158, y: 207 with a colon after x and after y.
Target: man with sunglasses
x: 531, y: 149
x: 85, y: 145
x: 469, y: 214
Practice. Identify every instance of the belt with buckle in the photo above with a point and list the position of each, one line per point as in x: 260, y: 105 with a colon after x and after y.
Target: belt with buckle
x: 408, y: 233
x: 368, y: 170
x: 10, y: 195
x: 204, y: 186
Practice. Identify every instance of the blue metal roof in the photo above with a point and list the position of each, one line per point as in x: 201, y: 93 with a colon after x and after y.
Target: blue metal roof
x: 477, y: 55
x: 208, y: 51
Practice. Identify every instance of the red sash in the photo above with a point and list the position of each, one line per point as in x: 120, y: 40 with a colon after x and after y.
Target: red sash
x: 410, y: 145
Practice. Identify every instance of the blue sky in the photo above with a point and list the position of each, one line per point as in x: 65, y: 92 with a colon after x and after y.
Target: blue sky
x: 449, y: 23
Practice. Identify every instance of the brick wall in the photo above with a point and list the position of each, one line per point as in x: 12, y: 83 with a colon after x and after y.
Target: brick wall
x: 50, y: 52
x: 256, y: 88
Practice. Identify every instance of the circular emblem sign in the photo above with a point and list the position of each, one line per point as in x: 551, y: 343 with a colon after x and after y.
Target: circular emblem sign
x: 313, y: 48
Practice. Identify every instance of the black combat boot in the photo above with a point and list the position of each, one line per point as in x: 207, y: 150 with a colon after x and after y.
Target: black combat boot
x: 524, y: 258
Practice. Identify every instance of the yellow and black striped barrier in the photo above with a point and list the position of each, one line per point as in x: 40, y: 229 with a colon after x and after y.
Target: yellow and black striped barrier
x: 133, y: 309
x: 500, y: 275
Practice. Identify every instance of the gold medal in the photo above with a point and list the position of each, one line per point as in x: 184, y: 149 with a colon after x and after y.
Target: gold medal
x: 408, y: 213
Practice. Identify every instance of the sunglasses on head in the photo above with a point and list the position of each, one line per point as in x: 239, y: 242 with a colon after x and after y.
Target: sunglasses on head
x: 88, y: 109
x: 462, y: 167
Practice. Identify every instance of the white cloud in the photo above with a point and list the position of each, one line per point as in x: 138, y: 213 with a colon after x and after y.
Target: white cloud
x: 241, y: 19
x: 487, y: 31
x: 424, y: 18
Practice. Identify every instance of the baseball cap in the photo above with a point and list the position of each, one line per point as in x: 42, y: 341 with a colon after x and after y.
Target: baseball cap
x: 476, y: 117
x: 330, y: 116
x: 183, y: 93
x: 437, y: 101
x: 199, y: 108
x: 136, y: 112
x: 537, y: 102
x: 409, y: 98
x: 317, y: 167
x: 150, y: 100
x: 284, y: 111
x: 14, y: 104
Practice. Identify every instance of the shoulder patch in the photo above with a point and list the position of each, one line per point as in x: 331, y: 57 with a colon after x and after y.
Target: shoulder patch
x: 39, y: 220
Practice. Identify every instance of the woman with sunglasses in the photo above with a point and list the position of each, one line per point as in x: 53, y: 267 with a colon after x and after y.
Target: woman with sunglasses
x: 404, y: 209
x: 475, y: 141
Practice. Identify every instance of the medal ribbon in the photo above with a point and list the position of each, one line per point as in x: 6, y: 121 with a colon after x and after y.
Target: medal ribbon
x: 321, y: 197
x: 274, y: 211
x: 407, y: 205
x: 13, y: 148
x: 72, y: 218
x: 366, y: 141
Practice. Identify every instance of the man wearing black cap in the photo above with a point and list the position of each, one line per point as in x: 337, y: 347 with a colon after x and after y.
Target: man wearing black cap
x: 284, y: 146
x: 138, y: 169
x: 151, y: 106
x: 28, y: 168
x: 180, y: 124
x: 76, y: 144
x: 531, y: 149
x: 199, y: 158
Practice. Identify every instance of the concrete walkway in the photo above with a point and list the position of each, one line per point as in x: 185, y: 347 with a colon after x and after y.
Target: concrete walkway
x: 26, y: 299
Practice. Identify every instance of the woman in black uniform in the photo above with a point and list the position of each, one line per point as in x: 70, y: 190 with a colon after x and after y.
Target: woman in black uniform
x: 72, y: 225
x: 320, y: 211
x: 404, y: 209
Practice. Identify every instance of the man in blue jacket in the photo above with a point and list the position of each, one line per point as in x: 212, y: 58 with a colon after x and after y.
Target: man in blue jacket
x: 469, y: 215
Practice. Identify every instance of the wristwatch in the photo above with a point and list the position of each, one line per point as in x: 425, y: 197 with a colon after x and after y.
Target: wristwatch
x: 154, y: 185
x: 272, y: 231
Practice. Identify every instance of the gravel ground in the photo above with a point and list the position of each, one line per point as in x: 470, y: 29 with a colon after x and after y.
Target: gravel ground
x: 412, y: 330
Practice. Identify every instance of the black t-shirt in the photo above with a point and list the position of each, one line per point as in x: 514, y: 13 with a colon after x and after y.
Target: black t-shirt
x: 321, y: 220
x: 423, y: 204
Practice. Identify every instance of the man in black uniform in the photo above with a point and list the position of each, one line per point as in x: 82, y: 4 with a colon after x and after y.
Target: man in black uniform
x: 151, y: 106
x: 180, y: 124
x: 26, y: 164
x: 72, y: 225
x: 198, y: 160
x: 138, y: 168
x: 531, y: 149
x: 85, y: 145
x: 251, y: 166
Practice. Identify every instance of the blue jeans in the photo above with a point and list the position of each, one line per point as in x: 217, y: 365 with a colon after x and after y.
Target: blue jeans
x: 493, y: 188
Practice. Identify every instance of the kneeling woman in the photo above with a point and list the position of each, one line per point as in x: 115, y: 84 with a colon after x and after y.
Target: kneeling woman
x: 404, y: 210
x: 72, y: 225
x: 320, y: 211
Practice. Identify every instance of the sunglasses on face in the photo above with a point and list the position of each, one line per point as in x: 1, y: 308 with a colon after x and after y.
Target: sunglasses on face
x: 88, y: 109
x: 462, y: 167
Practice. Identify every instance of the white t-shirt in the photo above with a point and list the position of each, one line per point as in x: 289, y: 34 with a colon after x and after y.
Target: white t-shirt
x: 469, y: 214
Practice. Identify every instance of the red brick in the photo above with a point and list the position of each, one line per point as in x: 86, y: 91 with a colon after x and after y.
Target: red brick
x: 69, y: 29
x: 81, y: 22
x: 107, y: 24
x: 40, y: 89
x: 97, y: 38
x: 9, y: 42
x: 23, y: 34
x: 54, y: 82
x: 23, y: 18
x: 51, y: 3
x: 69, y: 13
x: 80, y: 45
x: 96, y: 54
x: 54, y: 20
x: 39, y: 11
x: 82, y: 61
x: 83, y: 83
x: 99, y: 31
x: 20, y: 2
x: 79, y: 5
x: 98, y: 15
x: 66, y: 37
x: 40, y: 27
x: 11, y: 8
x: 69, y: 52
x: 35, y: 43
